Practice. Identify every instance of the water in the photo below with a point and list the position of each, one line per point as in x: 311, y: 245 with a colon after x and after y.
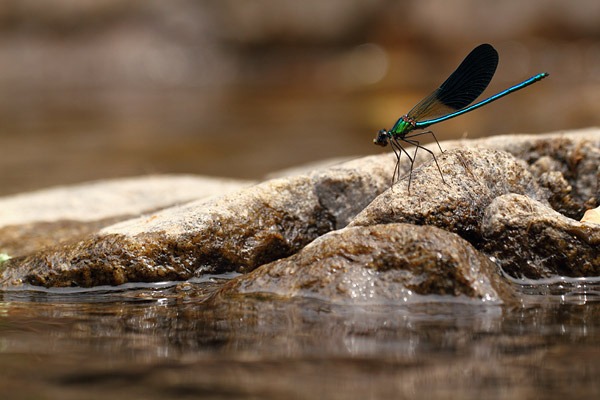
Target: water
x: 166, y: 341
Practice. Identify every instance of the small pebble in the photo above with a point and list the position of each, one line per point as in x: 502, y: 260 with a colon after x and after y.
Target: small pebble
x: 592, y: 216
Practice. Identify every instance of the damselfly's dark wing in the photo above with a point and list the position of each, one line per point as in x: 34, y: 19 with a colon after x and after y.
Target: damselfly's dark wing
x: 461, y: 88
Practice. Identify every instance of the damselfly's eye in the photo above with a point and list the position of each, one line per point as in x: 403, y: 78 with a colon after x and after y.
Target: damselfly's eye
x: 382, y: 138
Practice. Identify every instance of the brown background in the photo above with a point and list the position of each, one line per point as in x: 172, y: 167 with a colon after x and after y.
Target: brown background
x: 95, y: 89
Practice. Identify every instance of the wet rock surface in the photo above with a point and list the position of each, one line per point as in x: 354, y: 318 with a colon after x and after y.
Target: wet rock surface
x: 392, y: 263
x: 511, y: 198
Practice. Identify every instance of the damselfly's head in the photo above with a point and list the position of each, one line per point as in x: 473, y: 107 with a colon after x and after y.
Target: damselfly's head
x: 382, y: 138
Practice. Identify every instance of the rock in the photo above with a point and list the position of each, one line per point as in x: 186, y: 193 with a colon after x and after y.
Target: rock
x: 393, y: 263
x: 243, y: 230
x: 235, y: 232
x: 561, y: 192
x: 30, y: 221
x: 529, y: 239
x: 110, y: 198
x: 473, y: 178
x: 570, y: 156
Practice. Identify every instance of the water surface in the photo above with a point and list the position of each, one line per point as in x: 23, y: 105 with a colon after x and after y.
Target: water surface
x: 166, y: 341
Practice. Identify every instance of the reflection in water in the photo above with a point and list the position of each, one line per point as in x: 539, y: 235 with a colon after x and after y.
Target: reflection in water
x: 162, y: 340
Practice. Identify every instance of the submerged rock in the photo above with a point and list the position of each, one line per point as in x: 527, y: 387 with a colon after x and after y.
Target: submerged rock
x: 393, y: 263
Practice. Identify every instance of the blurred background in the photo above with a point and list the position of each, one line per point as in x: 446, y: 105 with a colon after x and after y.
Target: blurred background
x: 95, y: 89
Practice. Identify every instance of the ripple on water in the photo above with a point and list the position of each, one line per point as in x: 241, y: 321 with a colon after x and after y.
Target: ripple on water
x: 560, y: 289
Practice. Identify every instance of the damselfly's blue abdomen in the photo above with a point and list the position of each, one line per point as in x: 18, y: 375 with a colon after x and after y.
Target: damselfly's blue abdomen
x: 450, y: 100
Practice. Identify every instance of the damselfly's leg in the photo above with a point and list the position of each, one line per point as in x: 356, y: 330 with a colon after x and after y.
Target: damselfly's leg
x: 418, y: 145
x: 423, y: 133
x: 397, y: 166
x: 396, y: 144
